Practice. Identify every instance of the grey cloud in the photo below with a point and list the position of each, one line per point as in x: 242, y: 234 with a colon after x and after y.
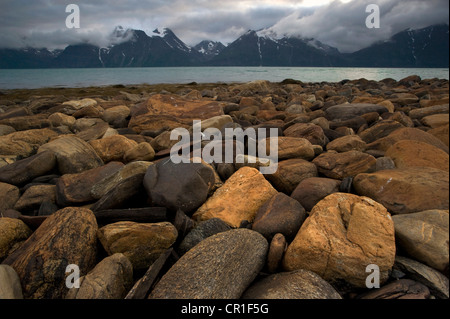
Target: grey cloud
x: 41, y: 23
x: 342, y: 25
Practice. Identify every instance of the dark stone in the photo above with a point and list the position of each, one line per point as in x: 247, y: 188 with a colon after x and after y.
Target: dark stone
x: 281, y: 214
x: 225, y: 170
x: 47, y: 208
x: 23, y: 171
x: 220, y: 267
x: 182, y: 186
x: 116, y: 197
x: 202, y: 231
x: 183, y: 223
x: 74, y: 189
x: 277, y: 248
x: 346, y: 185
x: 354, y: 123
x: 312, y: 190
x: 142, y: 287
x: 138, y: 215
x: 400, y: 289
x: 349, y: 111
x: 433, y: 279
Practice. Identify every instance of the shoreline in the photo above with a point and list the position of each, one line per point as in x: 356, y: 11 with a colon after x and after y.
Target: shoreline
x: 86, y: 91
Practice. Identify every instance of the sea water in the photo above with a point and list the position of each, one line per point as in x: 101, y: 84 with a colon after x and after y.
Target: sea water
x: 39, y: 78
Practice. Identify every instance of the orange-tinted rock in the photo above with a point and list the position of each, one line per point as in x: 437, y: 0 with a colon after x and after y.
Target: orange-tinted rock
x: 408, y: 153
x: 407, y: 133
x: 312, y: 132
x: 166, y: 111
x: 292, y: 147
x: 442, y: 133
x: 341, y: 165
x: 343, y: 234
x: 238, y: 199
x: 406, y: 190
x: 112, y: 148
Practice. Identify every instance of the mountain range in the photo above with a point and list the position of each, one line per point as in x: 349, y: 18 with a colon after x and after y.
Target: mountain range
x: 427, y: 47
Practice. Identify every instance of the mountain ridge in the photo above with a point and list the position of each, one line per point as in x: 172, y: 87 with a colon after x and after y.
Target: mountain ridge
x: 426, y: 47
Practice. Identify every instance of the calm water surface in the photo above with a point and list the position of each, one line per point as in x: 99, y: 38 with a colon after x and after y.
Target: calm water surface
x: 38, y: 78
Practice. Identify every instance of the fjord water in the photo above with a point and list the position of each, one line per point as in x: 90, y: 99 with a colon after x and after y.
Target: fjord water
x: 39, y: 78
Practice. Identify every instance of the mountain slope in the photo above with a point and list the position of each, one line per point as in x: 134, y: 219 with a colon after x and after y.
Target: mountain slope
x: 261, y: 49
x: 26, y: 58
x: 427, y: 47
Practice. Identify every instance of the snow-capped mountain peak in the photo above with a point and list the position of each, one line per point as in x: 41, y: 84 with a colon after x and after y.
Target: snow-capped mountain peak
x: 270, y: 34
x: 160, y: 32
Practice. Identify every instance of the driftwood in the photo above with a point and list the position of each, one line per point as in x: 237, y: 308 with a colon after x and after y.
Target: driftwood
x: 139, y: 215
x: 104, y: 217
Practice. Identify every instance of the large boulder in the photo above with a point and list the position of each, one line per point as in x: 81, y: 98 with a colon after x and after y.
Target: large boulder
x: 290, y: 173
x: 182, y: 186
x: 407, y: 133
x: 342, y: 236
x: 25, y: 143
x: 73, y: 189
x: 346, y: 164
x: 379, y: 130
x: 111, y: 278
x: 101, y: 187
x: 112, y: 148
x: 25, y: 170
x: 73, y: 155
x: 424, y: 236
x: 220, y: 267
x: 167, y: 111
x: 311, y: 132
x: 66, y: 237
x: 12, y: 232
x: 312, y: 190
x: 280, y: 214
x: 292, y: 147
x: 9, y: 195
x: 141, y: 243
x: 409, y: 153
x: 343, y: 112
x: 297, y: 284
x: 238, y: 199
x: 347, y: 143
x: 406, y: 190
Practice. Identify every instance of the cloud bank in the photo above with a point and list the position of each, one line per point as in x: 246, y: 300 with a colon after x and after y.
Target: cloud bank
x: 41, y: 23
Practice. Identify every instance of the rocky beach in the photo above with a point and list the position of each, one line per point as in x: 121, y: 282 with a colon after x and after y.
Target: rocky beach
x: 358, y: 207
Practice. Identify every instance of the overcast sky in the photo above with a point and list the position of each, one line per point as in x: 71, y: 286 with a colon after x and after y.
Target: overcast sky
x: 339, y: 23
